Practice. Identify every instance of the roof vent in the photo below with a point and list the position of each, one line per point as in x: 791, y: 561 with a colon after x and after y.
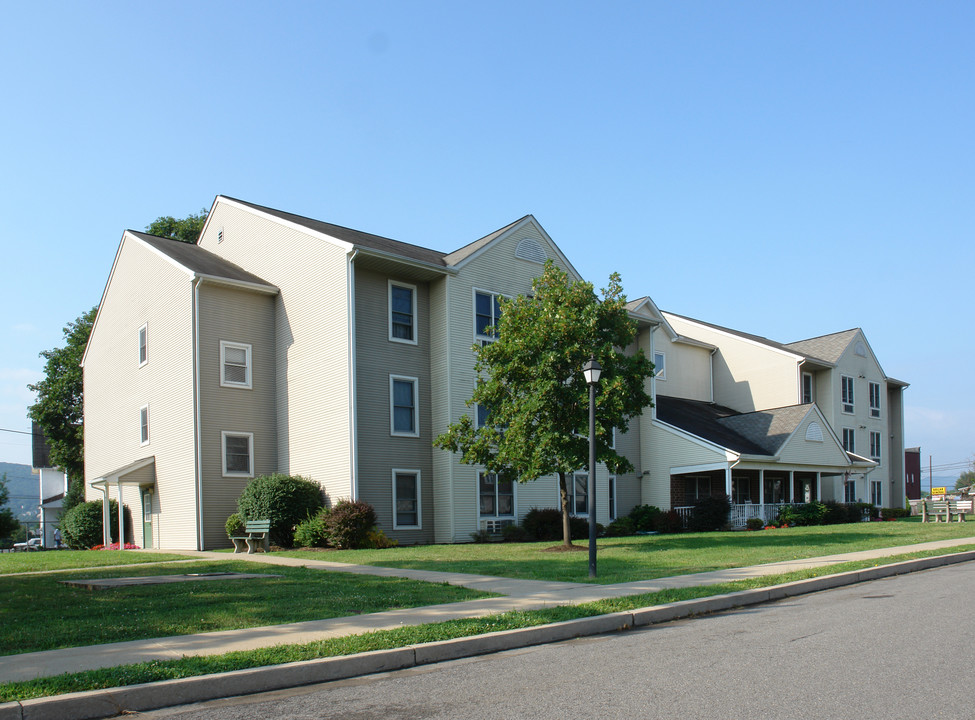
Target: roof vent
x: 530, y: 249
x: 814, y: 432
x: 860, y: 349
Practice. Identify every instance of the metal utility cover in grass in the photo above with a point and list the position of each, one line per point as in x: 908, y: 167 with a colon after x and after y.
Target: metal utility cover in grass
x: 104, y: 583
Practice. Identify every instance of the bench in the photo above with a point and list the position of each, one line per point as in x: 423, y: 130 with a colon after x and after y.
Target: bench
x: 255, y: 531
x: 945, y: 509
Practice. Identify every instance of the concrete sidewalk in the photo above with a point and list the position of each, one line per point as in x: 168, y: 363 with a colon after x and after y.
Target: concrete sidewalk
x: 513, y: 595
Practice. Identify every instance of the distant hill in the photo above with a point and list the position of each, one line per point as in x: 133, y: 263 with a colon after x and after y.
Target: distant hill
x: 24, y: 488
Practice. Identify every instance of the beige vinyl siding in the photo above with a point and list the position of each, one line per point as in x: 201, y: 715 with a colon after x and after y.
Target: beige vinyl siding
x: 495, y: 270
x: 628, y: 486
x: 894, y: 452
x: 747, y: 375
x: 663, y: 451
x: 800, y: 451
x: 377, y: 357
x: 312, y: 354
x: 116, y: 387
x: 688, y: 373
x: 245, y: 317
x: 442, y: 498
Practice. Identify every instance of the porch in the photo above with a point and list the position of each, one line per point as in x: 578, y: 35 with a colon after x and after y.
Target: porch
x: 754, y: 493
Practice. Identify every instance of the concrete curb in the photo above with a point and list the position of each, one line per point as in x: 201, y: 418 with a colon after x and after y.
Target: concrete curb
x: 153, y: 696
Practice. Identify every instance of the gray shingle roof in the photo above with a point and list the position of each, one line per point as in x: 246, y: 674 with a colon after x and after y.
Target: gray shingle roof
x: 811, y: 356
x: 762, y: 432
x: 460, y: 254
x: 200, y: 261
x: 829, y: 347
x: 355, y: 237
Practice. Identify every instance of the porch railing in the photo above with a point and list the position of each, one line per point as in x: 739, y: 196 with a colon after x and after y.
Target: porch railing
x: 741, y: 513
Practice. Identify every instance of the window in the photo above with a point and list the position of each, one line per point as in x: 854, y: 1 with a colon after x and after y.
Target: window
x: 612, y: 497
x: 612, y: 438
x: 403, y: 406
x: 143, y: 344
x: 875, y: 400
x: 875, y: 446
x: 481, y: 415
x: 659, y: 366
x: 235, y: 364
x: 579, y: 494
x: 238, y: 454
x: 849, y: 440
x: 807, y: 388
x: 741, y: 490
x: 696, y: 489
x: 849, y: 491
x: 877, y: 493
x: 847, y: 383
x: 402, y: 313
x: 487, y: 313
x: 496, y: 496
x: 406, y: 499
x: 144, y: 423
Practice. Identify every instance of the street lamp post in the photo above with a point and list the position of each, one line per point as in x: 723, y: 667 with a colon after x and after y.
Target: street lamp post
x: 592, y: 370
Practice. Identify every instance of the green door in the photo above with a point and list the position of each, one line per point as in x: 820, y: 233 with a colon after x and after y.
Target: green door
x: 147, y: 517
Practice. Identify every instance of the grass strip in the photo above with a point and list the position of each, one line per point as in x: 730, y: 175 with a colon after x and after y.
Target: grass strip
x: 156, y: 671
x: 76, y: 559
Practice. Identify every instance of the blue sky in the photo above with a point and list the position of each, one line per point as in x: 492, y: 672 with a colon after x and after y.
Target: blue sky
x: 785, y: 169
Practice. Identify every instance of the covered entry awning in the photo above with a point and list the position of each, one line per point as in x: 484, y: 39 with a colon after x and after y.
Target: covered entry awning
x: 139, y: 473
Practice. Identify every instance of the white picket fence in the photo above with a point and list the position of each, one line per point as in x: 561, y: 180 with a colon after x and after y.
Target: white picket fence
x: 740, y: 514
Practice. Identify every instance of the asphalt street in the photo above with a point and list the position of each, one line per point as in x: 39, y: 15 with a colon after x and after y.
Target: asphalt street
x: 900, y: 647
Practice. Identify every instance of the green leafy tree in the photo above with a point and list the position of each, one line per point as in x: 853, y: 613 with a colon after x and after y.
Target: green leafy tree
x: 8, y: 521
x: 966, y: 479
x: 186, y: 229
x: 58, y: 409
x: 531, y: 383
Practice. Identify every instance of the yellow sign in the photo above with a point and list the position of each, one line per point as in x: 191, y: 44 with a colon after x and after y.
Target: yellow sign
x: 939, y: 491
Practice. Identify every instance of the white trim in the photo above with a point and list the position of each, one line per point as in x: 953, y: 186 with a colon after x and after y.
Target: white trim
x: 514, y: 497
x: 852, y: 403
x: 143, y: 441
x: 493, y: 294
x: 730, y: 455
x: 275, y: 219
x: 416, y: 406
x: 732, y: 335
x: 224, y: 434
x: 419, y: 504
x: 691, y: 469
x: 660, y: 374
x: 248, y: 368
x: 144, y: 343
x: 353, y: 404
x: 414, y: 320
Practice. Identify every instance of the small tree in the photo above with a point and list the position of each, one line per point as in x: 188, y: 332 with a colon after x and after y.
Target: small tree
x: 8, y: 521
x: 285, y: 500
x: 531, y: 384
x: 186, y: 229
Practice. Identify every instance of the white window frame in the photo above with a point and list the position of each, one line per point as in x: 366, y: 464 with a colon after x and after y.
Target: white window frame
x: 248, y: 369
x: 497, y: 515
x: 877, y: 493
x: 850, y: 446
x: 393, y: 379
x: 144, y: 345
x: 224, y: 434
x: 144, y: 425
x: 572, y: 494
x: 874, y: 400
x: 390, y: 284
x: 495, y: 296
x: 419, y: 504
x: 660, y: 368
x: 875, y: 446
x: 847, y: 399
x: 611, y: 490
x: 807, y: 378
x: 849, y: 491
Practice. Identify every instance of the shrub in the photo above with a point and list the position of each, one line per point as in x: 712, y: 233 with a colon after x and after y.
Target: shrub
x: 311, y: 531
x: 285, y: 500
x: 347, y: 526
x: 376, y: 539
x: 543, y: 524
x: 645, y: 517
x: 620, y: 527
x: 755, y: 523
x: 802, y: 515
x: 834, y: 514
x: 234, y: 525
x: 670, y: 522
x: 710, y: 514
x: 481, y: 536
x: 81, y: 526
x: 515, y: 533
x: 897, y: 512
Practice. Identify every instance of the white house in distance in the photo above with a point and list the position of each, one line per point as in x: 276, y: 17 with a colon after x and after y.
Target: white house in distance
x: 279, y: 343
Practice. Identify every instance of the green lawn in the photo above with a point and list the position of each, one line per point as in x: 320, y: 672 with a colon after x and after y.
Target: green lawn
x: 651, y: 556
x: 67, y: 559
x: 39, y: 613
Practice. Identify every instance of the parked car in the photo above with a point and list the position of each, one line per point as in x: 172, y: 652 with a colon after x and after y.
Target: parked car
x: 32, y: 544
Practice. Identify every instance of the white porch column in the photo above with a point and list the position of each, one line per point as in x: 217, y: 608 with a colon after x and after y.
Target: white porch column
x: 819, y: 486
x: 727, y: 481
x: 106, y: 516
x: 121, y: 521
x: 791, y: 495
x: 761, y: 487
